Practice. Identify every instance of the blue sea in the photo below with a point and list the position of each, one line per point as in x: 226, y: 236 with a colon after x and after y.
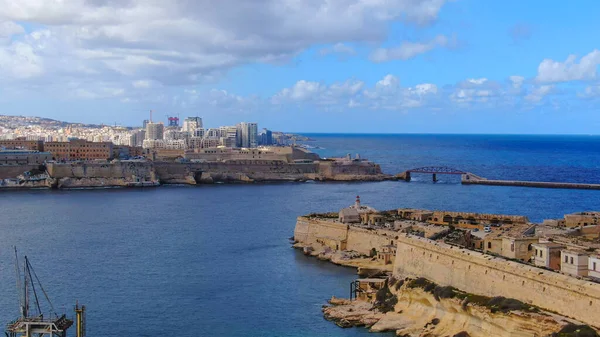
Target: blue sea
x: 215, y: 260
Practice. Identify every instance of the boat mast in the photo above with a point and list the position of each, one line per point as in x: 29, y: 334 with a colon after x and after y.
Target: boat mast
x: 25, y: 291
x: 19, y: 289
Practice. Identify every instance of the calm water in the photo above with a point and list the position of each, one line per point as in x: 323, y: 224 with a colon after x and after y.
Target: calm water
x: 216, y: 261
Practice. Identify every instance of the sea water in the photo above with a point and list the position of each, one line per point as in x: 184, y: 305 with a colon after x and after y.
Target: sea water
x: 215, y: 260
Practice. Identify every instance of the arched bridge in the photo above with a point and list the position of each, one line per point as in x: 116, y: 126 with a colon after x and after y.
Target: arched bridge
x: 434, y: 170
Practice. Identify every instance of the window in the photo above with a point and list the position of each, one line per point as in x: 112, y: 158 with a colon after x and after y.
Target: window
x: 566, y: 259
x: 489, y: 245
x: 594, y: 266
x: 571, y: 260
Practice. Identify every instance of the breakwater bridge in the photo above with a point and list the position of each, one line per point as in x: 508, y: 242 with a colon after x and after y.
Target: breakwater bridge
x: 468, y: 178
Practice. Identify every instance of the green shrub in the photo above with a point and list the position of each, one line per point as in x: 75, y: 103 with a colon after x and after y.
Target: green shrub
x: 373, y: 252
x: 506, y: 305
x: 573, y: 330
x: 384, y: 299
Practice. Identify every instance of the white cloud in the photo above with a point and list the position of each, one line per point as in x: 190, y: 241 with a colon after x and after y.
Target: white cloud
x: 338, y: 48
x: 516, y: 81
x: 184, y: 42
x: 142, y: 84
x: 408, y: 50
x: 477, y: 81
x: 538, y: 93
x: 9, y: 28
x: 590, y: 91
x: 569, y: 70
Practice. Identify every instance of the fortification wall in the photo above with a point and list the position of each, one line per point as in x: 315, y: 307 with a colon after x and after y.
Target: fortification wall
x: 12, y: 171
x: 234, y: 170
x: 309, y: 230
x: 481, y: 274
x: 363, y: 240
x: 100, y: 170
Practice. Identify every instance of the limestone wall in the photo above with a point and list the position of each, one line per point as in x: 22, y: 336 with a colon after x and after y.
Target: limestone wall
x: 12, y: 171
x: 309, y: 230
x: 363, y: 240
x: 100, y: 170
x: 485, y: 275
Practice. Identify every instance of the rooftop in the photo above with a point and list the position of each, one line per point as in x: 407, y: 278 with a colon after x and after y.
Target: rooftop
x: 548, y: 245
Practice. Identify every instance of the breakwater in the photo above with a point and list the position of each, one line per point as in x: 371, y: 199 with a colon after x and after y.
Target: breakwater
x: 469, y: 179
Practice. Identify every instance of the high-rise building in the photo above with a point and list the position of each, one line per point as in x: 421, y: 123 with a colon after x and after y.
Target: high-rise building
x: 265, y: 137
x: 154, y: 131
x: 252, y: 135
x: 190, y: 124
x: 247, y: 134
x: 146, y: 121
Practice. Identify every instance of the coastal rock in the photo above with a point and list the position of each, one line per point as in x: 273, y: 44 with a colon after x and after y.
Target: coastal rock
x: 419, y: 313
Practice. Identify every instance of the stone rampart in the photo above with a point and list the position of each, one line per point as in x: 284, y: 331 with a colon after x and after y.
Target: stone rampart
x: 363, y: 240
x: 120, y: 174
x: 481, y: 274
x: 100, y: 170
x: 13, y: 171
x: 308, y: 230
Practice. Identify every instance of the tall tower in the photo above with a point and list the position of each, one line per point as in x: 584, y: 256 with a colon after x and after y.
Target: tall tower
x: 247, y: 134
x: 155, y: 131
x: 190, y: 124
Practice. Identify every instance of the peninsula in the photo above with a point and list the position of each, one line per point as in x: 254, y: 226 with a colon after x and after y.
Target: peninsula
x: 439, y: 273
x: 206, y: 166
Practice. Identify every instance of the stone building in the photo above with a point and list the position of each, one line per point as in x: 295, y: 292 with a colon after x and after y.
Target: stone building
x: 415, y: 214
x: 79, y: 149
x: 22, y: 144
x: 349, y: 215
x: 582, y: 219
x: 359, y: 213
x: 515, y: 242
x: 387, y: 253
x: 574, y: 262
x: 475, y: 220
x: 547, y: 254
x: 23, y: 157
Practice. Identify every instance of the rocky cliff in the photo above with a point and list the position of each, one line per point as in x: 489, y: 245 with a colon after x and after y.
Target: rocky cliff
x: 419, y: 312
x: 146, y: 173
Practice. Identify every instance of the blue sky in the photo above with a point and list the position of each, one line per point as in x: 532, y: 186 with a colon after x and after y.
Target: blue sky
x: 412, y: 66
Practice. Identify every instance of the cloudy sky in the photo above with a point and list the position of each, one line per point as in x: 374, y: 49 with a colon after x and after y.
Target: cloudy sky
x: 390, y: 66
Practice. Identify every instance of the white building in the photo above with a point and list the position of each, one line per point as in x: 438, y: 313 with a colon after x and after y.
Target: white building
x: 574, y: 262
x: 594, y: 266
x: 547, y: 254
x: 155, y: 131
x: 190, y: 124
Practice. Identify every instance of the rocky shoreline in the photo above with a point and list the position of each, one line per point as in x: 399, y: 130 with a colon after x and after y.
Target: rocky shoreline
x: 419, y: 308
x: 147, y: 174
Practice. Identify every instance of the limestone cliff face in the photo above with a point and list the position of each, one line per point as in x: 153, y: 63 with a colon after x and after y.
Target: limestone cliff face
x: 418, y: 309
x: 418, y: 313
x: 100, y: 183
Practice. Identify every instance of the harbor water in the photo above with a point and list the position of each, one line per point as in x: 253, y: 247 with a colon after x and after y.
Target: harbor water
x: 215, y: 260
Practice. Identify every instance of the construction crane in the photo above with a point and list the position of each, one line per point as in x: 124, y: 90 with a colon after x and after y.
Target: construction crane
x: 33, y: 321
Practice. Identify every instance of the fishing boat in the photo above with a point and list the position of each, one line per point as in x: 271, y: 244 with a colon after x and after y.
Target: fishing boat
x: 33, y: 321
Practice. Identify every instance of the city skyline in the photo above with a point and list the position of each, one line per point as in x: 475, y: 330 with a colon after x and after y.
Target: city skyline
x: 401, y: 66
